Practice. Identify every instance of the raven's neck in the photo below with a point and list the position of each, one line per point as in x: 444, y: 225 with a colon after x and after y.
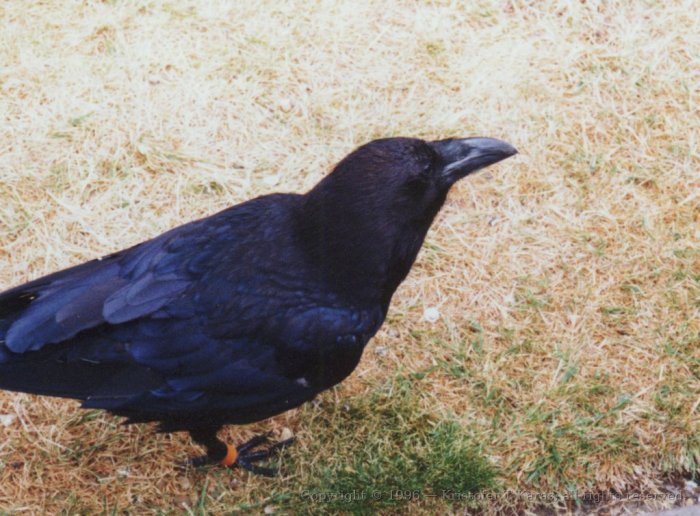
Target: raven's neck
x: 355, y: 250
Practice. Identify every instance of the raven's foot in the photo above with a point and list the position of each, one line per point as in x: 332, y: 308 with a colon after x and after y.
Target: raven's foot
x: 244, y: 455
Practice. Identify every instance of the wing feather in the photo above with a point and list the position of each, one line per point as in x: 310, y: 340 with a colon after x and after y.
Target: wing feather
x: 116, y: 289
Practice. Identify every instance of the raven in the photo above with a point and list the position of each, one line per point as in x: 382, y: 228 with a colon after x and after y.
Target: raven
x: 241, y: 315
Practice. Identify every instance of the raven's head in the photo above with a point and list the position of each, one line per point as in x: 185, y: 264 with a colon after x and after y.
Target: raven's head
x: 407, y: 176
x: 370, y: 215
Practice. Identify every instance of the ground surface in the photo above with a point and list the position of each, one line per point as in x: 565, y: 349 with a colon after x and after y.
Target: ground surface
x: 546, y: 344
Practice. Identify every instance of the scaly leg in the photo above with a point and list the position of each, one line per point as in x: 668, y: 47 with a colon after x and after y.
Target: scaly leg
x: 244, y: 455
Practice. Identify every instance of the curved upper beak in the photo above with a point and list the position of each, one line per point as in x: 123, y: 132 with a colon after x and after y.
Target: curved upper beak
x: 461, y: 157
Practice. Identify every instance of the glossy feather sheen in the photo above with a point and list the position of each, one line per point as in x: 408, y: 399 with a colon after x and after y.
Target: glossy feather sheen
x: 235, y: 317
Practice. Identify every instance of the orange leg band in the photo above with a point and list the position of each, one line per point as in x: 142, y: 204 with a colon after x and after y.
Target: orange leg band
x: 231, y: 456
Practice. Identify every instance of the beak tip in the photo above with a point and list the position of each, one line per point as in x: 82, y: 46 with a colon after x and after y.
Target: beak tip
x: 507, y: 149
x: 466, y: 155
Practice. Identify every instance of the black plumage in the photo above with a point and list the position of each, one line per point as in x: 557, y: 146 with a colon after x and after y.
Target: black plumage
x: 244, y: 314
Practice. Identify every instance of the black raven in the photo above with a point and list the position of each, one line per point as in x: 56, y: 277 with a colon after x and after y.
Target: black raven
x: 244, y: 314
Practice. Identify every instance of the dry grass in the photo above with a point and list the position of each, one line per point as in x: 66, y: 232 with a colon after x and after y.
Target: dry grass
x: 567, y: 279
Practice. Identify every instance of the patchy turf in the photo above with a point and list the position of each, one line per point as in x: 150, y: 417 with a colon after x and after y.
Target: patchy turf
x: 550, y: 332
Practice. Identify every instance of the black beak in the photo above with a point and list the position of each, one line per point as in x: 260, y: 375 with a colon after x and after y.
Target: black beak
x: 461, y: 157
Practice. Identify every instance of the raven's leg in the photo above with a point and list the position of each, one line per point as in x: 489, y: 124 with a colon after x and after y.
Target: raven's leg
x: 244, y: 455
x: 218, y: 452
